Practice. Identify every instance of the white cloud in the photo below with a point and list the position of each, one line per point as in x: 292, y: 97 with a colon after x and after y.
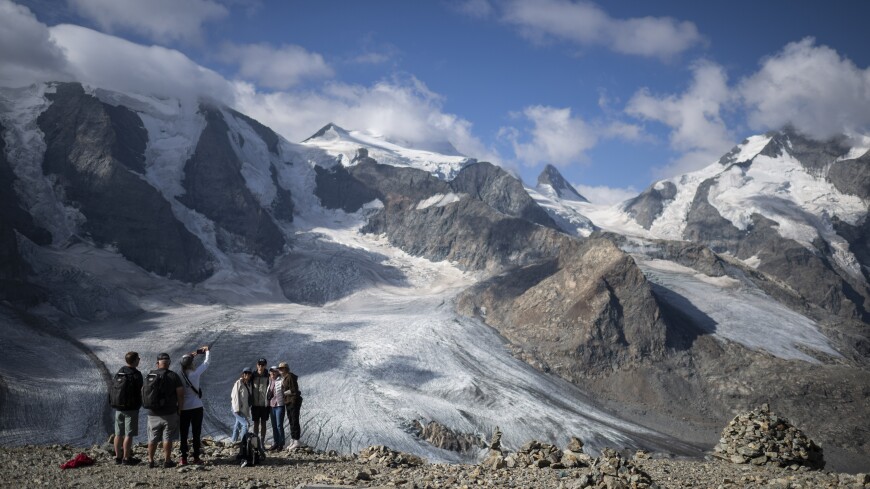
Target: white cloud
x: 602, y: 194
x: 112, y: 63
x: 475, y: 8
x: 279, y: 68
x: 586, y: 24
x: 694, y: 117
x: 559, y: 138
x: 27, y: 52
x: 160, y: 20
x: 811, y: 87
x: 403, y: 110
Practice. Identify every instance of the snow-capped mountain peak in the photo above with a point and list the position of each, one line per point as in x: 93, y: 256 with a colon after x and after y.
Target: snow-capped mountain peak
x: 444, y: 161
x: 551, y: 181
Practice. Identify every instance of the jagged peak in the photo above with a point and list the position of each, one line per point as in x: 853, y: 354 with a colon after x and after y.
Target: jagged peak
x: 552, y: 177
x: 330, y: 127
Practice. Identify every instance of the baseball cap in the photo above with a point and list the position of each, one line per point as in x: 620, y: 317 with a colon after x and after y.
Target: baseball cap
x: 163, y: 356
x: 283, y: 365
x: 273, y: 368
x: 246, y: 370
x: 261, y: 361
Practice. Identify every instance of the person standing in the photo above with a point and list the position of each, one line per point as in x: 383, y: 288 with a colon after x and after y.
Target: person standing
x: 259, y: 403
x: 163, y: 396
x: 240, y: 398
x: 125, y: 395
x: 292, y: 403
x: 192, y: 410
x: 275, y: 395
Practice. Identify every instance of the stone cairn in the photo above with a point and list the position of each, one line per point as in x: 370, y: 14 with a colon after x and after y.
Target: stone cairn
x: 383, y: 455
x: 609, y: 470
x: 443, y: 437
x: 760, y: 437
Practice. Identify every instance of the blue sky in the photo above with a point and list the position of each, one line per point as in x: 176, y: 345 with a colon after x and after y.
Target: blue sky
x: 614, y: 94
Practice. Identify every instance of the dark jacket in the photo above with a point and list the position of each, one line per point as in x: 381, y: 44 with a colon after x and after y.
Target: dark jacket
x: 259, y: 387
x: 290, y: 386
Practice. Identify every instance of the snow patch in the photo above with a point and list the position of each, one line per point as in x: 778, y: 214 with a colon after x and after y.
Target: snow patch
x: 255, y: 157
x: 438, y: 200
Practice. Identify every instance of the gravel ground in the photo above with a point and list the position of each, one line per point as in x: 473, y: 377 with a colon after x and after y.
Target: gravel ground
x: 38, y: 466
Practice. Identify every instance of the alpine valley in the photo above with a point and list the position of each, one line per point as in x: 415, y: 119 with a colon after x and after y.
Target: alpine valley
x: 412, y: 285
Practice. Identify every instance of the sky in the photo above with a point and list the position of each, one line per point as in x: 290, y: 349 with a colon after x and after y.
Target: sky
x: 616, y: 95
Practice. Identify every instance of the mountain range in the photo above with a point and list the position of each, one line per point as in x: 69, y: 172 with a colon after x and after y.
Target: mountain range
x: 408, y: 284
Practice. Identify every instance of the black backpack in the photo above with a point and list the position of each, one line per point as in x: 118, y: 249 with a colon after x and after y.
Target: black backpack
x: 251, y: 451
x: 155, y: 391
x: 124, y: 394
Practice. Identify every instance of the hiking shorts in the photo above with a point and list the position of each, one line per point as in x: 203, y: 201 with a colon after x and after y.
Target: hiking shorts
x: 127, y: 423
x: 260, y: 413
x: 163, y: 428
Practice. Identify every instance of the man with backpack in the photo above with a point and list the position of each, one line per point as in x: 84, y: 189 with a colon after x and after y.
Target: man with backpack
x: 163, y: 396
x: 125, y: 396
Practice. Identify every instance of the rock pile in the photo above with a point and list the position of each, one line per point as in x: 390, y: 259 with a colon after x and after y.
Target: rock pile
x: 383, y: 455
x: 537, y: 454
x: 443, y: 437
x: 760, y: 437
x: 611, y: 471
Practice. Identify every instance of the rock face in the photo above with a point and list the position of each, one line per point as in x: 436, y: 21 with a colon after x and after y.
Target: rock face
x: 501, y: 191
x: 852, y: 176
x: 464, y: 229
x: 13, y: 220
x: 383, y: 455
x: 96, y: 154
x: 648, y: 206
x: 215, y: 187
x: 564, y: 190
x: 586, y: 311
x: 760, y: 437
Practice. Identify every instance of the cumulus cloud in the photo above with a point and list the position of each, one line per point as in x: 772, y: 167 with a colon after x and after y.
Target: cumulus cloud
x: 27, y: 52
x: 603, y: 194
x: 560, y: 138
x: 811, y: 87
x: 694, y: 117
x: 587, y: 24
x: 276, y: 67
x: 403, y: 110
x: 160, y: 20
x: 94, y: 58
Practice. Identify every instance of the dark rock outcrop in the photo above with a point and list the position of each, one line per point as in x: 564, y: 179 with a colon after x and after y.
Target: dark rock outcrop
x: 267, y: 135
x: 648, y: 206
x: 282, y: 206
x: 814, y: 156
x: 564, y: 190
x: 96, y: 153
x: 215, y: 187
x: 501, y: 191
x: 852, y: 177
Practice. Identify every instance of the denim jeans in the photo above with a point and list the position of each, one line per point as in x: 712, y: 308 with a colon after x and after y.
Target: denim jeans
x: 278, y: 425
x: 239, y: 428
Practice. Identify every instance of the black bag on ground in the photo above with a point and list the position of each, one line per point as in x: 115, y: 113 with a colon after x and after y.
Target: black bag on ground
x: 251, y: 451
x: 155, y: 391
x: 124, y: 393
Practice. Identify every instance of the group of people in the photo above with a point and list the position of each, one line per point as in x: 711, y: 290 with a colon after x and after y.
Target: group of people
x: 174, y: 404
x: 262, y: 395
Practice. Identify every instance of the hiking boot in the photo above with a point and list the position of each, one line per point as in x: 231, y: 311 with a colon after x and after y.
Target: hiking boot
x: 151, y: 464
x: 183, y: 461
x: 293, y: 446
x: 130, y: 461
x: 197, y: 461
x: 168, y: 464
x: 117, y: 460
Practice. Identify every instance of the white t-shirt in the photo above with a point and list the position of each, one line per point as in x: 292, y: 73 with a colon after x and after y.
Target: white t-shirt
x: 191, y: 400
